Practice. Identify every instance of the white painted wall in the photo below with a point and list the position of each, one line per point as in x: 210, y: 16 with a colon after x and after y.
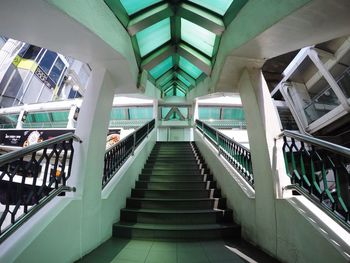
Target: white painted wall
x: 240, y: 136
x: 54, y: 234
x: 303, y: 232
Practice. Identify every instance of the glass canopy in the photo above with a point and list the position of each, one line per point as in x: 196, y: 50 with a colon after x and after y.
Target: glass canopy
x: 154, y: 36
x: 175, y: 41
x: 217, y: 6
x: 133, y: 6
x: 197, y: 37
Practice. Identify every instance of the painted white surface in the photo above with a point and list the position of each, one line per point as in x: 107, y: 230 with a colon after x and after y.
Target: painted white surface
x: 54, y: 234
x: 240, y: 136
x: 304, y: 233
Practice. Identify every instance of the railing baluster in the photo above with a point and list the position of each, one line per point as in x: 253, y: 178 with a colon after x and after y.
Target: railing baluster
x: 236, y: 154
x: 31, y: 177
x: 317, y: 173
x: 120, y: 152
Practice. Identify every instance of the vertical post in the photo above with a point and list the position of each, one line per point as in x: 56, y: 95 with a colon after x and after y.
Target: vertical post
x: 217, y: 141
x: 134, y: 144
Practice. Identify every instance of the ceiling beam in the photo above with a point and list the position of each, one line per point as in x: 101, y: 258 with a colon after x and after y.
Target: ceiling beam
x: 167, y: 85
x: 233, y: 10
x: 186, y: 76
x: 170, y: 72
x: 157, y: 56
x: 119, y: 11
x: 201, y: 17
x: 196, y: 58
x: 149, y: 18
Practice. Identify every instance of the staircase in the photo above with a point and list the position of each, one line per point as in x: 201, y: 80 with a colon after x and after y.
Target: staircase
x: 176, y: 198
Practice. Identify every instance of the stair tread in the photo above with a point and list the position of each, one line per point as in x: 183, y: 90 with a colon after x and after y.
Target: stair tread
x: 174, y: 199
x: 177, y: 226
x: 164, y: 211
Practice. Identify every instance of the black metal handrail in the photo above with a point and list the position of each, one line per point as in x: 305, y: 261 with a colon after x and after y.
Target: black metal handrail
x: 117, y: 154
x: 321, y: 170
x: 30, y: 176
x: 235, y: 153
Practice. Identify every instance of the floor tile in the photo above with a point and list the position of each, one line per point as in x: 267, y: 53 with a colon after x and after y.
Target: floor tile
x: 167, y: 256
x: 191, y: 257
x: 164, y: 246
x: 139, y: 244
x: 133, y: 254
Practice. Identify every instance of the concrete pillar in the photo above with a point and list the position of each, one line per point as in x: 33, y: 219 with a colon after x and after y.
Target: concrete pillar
x: 263, y: 127
x: 88, y: 161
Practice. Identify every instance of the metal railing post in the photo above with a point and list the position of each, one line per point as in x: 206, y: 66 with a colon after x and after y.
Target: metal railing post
x: 134, y: 144
x: 217, y: 141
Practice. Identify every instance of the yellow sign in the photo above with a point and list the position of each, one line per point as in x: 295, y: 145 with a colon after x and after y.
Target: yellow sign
x: 16, y: 61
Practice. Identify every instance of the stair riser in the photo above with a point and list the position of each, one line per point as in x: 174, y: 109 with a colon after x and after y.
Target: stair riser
x: 171, y: 178
x: 156, y: 218
x: 175, y: 205
x: 231, y: 233
x: 173, y: 194
x: 175, y: 185
x: 171, y: 172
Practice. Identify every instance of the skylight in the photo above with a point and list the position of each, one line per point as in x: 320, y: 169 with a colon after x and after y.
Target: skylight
x: 218, y: 6
x: 197, y: 36
x: 154, y: 36
x: 189, y: 68
x: 162, y: 67
x: 133, y: 6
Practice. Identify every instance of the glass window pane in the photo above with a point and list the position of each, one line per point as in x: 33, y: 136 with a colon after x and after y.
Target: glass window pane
x: 137, y: 113
x: 183, y: 80
x: 179, y: 93
x: 8, y: 121
x: 154, y: 36
x: 57, y: 119
x: 165, y: 111
x: 47, y: 61
x: 57, y: 70
x: 197, y: 36
x: 162, y: 67
x: 189, y: 68
x: 166, y: 80
x: 206, y: 113
x: 31, y: 52
x: 133, y: 6
x: 119, y: 114
x: 218, y: 6
x: 233, y: 114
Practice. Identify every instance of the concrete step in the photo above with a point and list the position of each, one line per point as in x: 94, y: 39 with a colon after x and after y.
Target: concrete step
x: 162, y: 231
x: 153, y: 216
x: 173, y: 177
x: 176, y: 194
x: 176, y: 204
x: 173, y: 185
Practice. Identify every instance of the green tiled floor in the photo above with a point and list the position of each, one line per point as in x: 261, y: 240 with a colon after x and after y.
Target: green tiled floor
x: 133, y: 251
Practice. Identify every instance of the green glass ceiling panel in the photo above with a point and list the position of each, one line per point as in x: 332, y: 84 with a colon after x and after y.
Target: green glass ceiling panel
x: 183, y: 80
x: 169, y: 93
x: 162, y: 67
x: 166, y: 80
x: 198, y: 37
x: 189, y: 68
x: 154, y: 36
x: 218, y: 6
x: 179, y: 93
x: 133, y: 6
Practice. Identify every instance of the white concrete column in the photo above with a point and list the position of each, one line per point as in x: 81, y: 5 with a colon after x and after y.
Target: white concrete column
x: 88, y: 161
x: 263, y: 127
x: 71, y: 121
x: 19, y: 124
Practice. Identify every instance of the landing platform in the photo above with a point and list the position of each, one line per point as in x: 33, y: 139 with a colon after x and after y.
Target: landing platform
x: 219, y: 251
